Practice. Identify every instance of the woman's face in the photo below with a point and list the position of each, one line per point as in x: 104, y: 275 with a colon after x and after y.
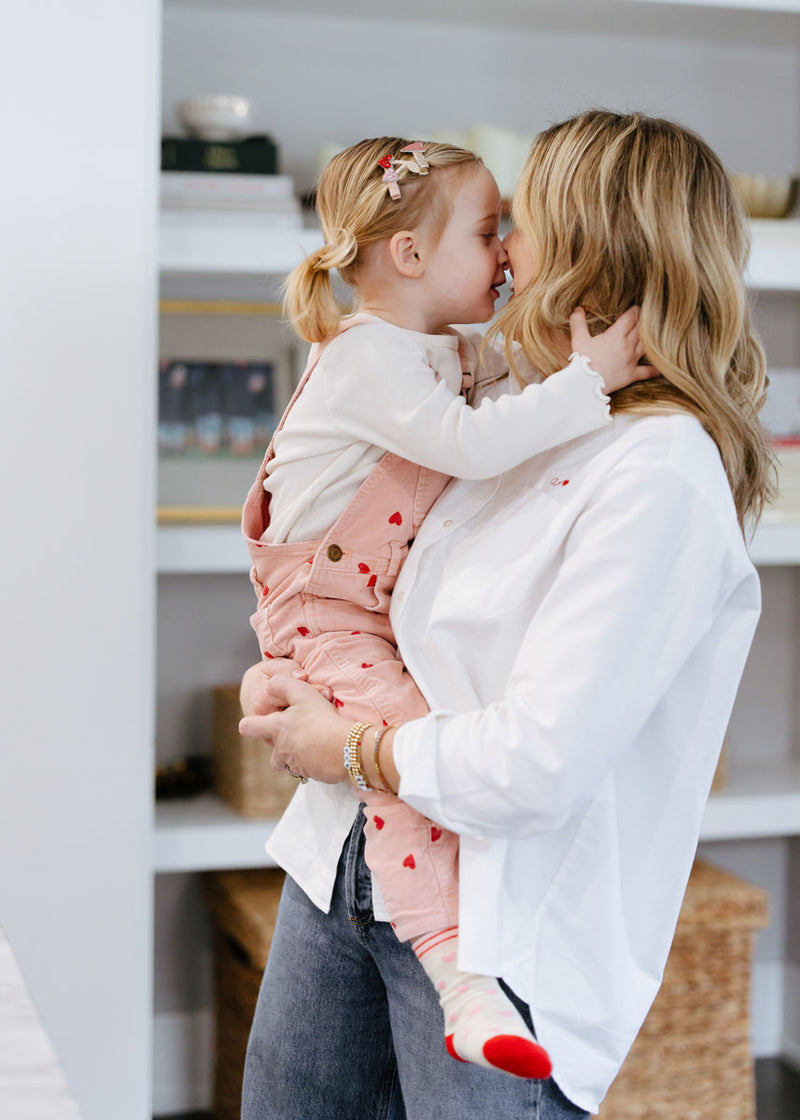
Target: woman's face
x: 522, y: 262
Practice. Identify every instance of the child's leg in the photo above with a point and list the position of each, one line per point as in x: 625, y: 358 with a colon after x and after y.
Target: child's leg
x: 415, y: 863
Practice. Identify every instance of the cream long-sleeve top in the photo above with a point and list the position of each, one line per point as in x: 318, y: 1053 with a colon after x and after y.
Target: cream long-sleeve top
x: 377, y: 387
x: 579, y: 627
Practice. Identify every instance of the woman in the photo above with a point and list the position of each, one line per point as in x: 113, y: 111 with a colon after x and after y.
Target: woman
x: 578, y: 627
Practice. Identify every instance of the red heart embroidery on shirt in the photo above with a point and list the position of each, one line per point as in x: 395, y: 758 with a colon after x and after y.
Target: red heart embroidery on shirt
x: 396, y: 519
x: 409, y: 861
x: 303, y: 630
x: 366, y: 665
x: 372, y: 581
x: 435, y: 832
x: 379, y: 822
x: 363, y: 567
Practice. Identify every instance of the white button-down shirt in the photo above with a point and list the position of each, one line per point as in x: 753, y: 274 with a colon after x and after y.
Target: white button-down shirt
x: 579, y: 627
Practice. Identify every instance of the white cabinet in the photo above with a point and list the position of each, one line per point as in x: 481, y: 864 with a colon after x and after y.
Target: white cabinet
x: 733, y: 74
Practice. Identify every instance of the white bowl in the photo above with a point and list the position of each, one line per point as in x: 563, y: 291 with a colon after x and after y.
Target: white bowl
x: 220, y: 116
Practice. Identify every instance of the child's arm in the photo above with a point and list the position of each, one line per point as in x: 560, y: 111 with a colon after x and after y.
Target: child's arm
x: 380, y: 389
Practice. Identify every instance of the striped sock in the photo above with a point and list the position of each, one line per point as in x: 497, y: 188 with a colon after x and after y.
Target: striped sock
x: 481, y: 1023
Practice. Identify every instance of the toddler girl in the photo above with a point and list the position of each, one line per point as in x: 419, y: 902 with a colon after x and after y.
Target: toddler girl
x: 377, y: 426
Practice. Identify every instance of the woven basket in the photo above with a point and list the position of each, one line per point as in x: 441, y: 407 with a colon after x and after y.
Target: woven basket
x: 244, y: 905
x: 243, y: 777
x: 691, y: 1059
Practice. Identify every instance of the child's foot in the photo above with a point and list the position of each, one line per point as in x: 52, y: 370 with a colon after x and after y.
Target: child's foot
x: 481, y: 1023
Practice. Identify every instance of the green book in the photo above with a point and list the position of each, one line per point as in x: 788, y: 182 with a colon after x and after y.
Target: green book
x: 257, y: 155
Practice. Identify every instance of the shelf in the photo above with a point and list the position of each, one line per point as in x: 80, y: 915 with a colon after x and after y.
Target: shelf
x: 758, y: 801
x: 774, y: 260
x: 199, y: 549
x: 203, y: 834
x: 775, y: 256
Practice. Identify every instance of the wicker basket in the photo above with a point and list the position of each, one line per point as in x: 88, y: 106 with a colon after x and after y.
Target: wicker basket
x: 691, y: 1059
x: 244, y: 905
x: 243, y: 777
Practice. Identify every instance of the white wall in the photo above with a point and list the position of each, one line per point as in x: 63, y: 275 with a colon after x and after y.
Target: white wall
x: 77, y: 301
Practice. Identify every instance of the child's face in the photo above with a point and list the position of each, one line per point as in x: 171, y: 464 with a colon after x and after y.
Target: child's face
x: 465, y: 269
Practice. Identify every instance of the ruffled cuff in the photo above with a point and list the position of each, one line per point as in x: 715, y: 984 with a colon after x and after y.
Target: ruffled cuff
x: 599, y: 385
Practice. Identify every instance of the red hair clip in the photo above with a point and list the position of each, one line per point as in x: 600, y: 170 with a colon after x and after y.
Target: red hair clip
x: 389, y: 176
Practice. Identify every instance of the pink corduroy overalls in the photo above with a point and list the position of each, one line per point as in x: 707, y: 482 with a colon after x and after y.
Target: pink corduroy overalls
x: 325, y: 603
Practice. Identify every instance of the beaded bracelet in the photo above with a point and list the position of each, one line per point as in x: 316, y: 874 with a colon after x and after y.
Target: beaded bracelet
x: 352, y: 755
x: 385, y: 787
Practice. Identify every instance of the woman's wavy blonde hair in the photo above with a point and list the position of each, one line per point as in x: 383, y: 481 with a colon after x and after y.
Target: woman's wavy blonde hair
x: 355, y: 212
x: 622, y: 209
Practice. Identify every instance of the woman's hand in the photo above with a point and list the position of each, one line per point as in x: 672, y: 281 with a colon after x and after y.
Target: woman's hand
x: 614, y: 353
x: 306, y: 734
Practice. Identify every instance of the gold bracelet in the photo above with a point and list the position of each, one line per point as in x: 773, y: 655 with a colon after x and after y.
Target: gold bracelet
x: 352, y: 755
x: 375, y: 751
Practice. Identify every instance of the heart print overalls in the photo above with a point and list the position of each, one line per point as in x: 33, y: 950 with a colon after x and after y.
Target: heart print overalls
x: 325, y: 603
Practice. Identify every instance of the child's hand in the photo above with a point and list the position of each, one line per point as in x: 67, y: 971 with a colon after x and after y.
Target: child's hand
x: 615, y: 353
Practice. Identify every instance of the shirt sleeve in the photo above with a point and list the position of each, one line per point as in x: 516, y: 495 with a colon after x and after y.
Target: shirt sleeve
x: 646, y: 570
x: 385, y: 394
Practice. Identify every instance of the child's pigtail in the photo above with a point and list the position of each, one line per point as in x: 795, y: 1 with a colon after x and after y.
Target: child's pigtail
x: 310, y: 304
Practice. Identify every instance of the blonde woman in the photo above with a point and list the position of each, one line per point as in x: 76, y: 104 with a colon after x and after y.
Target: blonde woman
x: 578, y: 628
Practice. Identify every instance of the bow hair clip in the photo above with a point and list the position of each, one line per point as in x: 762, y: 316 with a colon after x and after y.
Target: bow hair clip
x: 389, y: 176
x: 416, y: 150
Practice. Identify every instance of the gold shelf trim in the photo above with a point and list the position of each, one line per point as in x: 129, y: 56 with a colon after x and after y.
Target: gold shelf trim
x: 218, y: 307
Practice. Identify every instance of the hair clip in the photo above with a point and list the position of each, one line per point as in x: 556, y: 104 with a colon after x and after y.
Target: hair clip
x: 416, y: 149
x: 389, y: 177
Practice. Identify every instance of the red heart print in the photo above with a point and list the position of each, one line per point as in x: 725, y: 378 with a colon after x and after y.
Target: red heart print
x: 396, y: 519
x: 409, y: 861
x: 265, y: 591
x: 366, y: 665
x: 268, y: 655
x: 435, y: 832
x: 379, y: 822
x: 372, y: 581
x: 363, y: 567
x: 303, y: 630
x: 355, y: 631
x: 338, y: 703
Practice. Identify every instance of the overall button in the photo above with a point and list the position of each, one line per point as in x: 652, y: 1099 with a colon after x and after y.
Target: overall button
x: 334, y: 552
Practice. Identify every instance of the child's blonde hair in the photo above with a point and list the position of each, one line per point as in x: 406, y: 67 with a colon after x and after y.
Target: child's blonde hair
x: 623, y: 209
x: 356, y: 211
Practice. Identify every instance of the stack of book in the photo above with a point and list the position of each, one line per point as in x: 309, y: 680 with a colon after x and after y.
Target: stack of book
x: 207, y: 216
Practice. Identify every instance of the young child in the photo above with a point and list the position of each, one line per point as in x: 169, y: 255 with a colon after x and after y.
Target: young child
x: 376, y: 428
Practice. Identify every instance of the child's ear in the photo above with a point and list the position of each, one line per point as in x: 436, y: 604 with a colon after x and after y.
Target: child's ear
x: 404, y: 251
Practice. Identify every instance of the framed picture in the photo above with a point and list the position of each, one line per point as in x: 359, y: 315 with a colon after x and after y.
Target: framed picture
x: 226, y: 373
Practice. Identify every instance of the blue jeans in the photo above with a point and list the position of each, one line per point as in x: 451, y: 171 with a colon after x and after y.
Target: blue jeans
x: 348, y: 1026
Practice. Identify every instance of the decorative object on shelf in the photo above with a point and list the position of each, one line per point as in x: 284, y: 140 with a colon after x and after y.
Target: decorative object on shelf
x: 243, y: 777
x: 184, y: 777
x: 692, y: 1056
x: 196, y: 202
x: 766, y: 196
x: 244, y: 906
x: 255, y: 155
x: 216, y: 116
x: 226, y: 371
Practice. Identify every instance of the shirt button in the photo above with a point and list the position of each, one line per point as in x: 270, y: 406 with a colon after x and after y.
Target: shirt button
x: 448, y: 524
x: 334, y: 553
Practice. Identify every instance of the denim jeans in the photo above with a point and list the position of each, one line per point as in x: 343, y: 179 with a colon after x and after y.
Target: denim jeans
x: 348, y: 1026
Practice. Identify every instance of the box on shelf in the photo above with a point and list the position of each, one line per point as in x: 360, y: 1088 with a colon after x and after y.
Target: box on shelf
x: 243, y: 777
x: 692, y: 1056
x: 244, y: 906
